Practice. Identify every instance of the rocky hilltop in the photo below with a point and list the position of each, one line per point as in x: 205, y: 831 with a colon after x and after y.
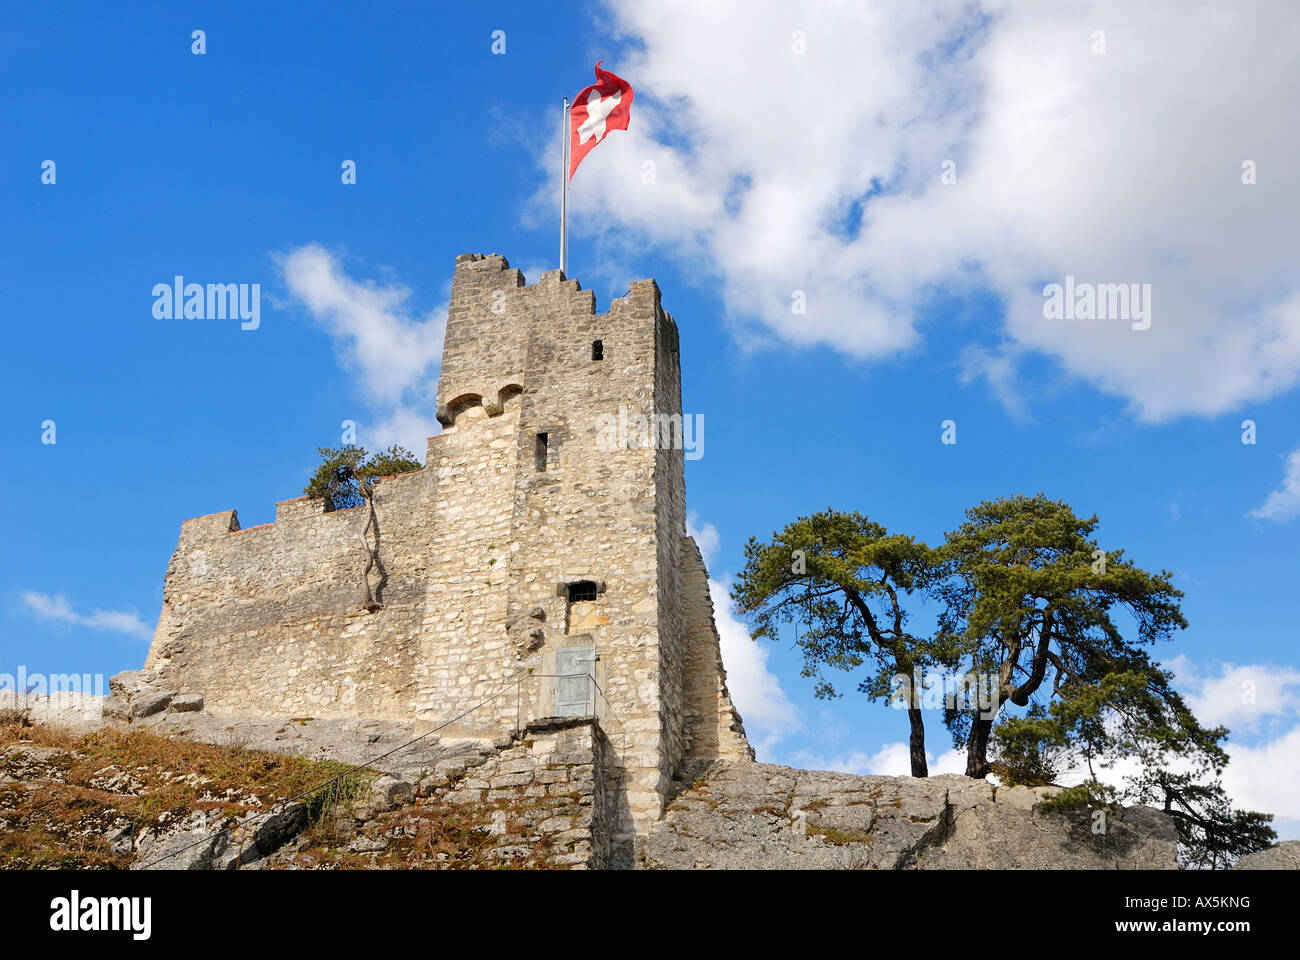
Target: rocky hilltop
x: 1283, y: 856
x: 744, y: 816
x: 164, y: 784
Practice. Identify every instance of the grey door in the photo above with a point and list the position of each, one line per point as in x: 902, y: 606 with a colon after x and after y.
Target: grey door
x: 574, y: 687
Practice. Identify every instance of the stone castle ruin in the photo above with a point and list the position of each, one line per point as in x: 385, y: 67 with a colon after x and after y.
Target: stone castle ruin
x: 529, y: 575
x: 535, y: 645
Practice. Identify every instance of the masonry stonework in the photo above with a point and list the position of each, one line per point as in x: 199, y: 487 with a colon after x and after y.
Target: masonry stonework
x: 490, y: 557
x: 551, y: 788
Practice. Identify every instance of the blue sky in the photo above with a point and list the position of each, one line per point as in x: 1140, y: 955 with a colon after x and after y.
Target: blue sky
x: 772, y: 171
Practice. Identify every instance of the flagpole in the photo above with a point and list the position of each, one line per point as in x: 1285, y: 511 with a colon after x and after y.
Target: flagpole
x: 564, y: 186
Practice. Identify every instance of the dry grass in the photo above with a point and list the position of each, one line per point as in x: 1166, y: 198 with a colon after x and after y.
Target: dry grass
x: 432, y: 834
x: 107, y: 781
x: 840, y: 837
x: 112, y: 780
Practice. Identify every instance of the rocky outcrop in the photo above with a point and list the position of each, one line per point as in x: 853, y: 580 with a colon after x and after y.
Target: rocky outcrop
x: 400, y: 749
x: 136, y: 694
x: 1284, y: 856
x: 75, y: 712
x: 761, y: 816
x: 200, y: 843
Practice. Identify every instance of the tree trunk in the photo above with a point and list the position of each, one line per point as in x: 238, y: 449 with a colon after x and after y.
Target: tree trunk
x: 371, y: 553
x: 917, y: 743
x: 977, y: 749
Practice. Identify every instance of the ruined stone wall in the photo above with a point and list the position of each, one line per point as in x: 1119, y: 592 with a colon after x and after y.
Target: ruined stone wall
x: 270, y: 618
x: 713, y: 728
x: 670, y: 526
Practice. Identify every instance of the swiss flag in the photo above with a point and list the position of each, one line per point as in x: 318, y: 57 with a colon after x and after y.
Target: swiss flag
x: 600, y: 108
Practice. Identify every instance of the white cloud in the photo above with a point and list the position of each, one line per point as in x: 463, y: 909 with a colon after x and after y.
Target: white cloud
x: 706, y: 537
x: 1263, y: 776
x: 768, y: 714
x: 406, y: 425
x: 1242, y: 697
x: 393, y: 353
x: 1284, y: 502
x: 1266, y: 777
x: 776, y: 172
x: 1260, y: 704
x: 57, y: 608
x: 998, y: 370
x: 950, y: 761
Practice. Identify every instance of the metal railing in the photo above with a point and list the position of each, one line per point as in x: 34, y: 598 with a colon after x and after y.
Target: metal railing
x: 596, y: 704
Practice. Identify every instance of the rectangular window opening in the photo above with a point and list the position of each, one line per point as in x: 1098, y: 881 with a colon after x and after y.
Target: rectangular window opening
x: 584, y: 591
x: 539, y: 453
x: 580, y: 612
x: 598, y: 349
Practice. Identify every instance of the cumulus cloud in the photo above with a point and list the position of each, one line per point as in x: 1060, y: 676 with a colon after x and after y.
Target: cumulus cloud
x: 1263, y: 776
x: 775, y: 173
x: 56, y: 608
x: 393, y: 354
x: 1284, y: 502
x: 1241, y: 697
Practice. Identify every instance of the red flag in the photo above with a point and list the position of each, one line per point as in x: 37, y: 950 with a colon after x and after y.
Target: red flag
x: 600, y: 108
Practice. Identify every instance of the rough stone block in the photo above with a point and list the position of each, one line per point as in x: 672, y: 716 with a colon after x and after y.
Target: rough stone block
x: 511, y: 780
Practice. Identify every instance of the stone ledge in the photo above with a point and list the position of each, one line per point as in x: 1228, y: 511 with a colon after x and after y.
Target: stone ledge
x: 548, y: 724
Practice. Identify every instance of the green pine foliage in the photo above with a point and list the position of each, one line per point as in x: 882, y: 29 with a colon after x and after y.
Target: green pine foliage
x: 1027, y: 597
x: 346, y: 475
x: 848, y: 585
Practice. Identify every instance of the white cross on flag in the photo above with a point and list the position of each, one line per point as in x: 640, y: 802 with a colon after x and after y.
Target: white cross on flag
x: 600, y: 108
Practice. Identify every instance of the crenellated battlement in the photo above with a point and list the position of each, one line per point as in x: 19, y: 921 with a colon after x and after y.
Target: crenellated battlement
x: 506, y: 336
x: 221, y: 525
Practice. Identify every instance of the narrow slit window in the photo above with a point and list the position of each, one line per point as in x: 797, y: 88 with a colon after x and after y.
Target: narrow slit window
x: 598, y: 349
x: 539, y: 453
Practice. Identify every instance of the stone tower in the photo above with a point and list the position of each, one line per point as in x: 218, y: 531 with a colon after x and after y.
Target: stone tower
x: 537, y: 566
